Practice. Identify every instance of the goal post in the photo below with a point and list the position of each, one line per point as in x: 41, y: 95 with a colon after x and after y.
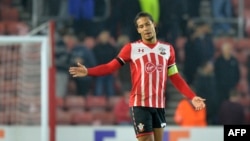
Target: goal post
x: 26, y: 63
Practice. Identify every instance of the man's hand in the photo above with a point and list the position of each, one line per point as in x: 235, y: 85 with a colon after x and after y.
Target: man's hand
x: 198, y: 103
x: 79, y: 71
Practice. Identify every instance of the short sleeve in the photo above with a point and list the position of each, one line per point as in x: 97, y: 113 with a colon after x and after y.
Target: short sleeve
x: 125, y: 53
x: 172, y: 57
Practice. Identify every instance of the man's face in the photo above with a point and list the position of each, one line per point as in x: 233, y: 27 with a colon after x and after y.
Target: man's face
x: 146, y: 28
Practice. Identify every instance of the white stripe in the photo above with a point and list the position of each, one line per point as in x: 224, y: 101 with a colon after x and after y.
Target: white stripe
x: 163, y: 82
x: 142, y: 82
x: 122, y: 60
x: 171, y: 65
x: 150, y: 83
x: 157, y: 81
x: 136, y: 91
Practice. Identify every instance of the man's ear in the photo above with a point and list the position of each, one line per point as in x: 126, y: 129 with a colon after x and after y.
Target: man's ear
x: 138, y: 31
x: 155, y: 24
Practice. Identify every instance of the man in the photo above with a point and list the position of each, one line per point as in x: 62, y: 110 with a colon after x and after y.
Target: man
x: 80, y: 53
x: 104, y: 52
x: 231, y: 110
x: 151, y: 62
x: 226, y: 80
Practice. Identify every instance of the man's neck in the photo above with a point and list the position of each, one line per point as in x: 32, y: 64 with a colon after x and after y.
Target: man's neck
x: 153, y: 41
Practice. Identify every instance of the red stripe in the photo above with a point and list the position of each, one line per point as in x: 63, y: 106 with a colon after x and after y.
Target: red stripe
x: 146, y: 81
x: 52, y: 91
x: 144, y: 134
x: 161, y: 74
x: 134, y: 86
x: 154, y: 79
x: 138, y: 82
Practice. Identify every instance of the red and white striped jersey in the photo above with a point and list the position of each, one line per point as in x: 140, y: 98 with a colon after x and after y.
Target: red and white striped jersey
x: 149, y: 65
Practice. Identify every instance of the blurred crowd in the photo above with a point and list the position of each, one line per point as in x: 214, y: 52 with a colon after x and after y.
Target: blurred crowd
x: 213, y: 62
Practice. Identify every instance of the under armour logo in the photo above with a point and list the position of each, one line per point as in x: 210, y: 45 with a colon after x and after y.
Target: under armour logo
x: 140, y: 50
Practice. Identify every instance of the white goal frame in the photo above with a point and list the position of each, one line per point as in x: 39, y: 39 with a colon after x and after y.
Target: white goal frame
x: 45, y: 55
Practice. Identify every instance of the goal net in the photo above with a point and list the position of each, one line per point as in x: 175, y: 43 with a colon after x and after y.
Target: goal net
x: 24, y: 88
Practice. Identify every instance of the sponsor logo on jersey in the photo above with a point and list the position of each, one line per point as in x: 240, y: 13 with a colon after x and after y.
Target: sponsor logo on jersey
x: 150, y: 67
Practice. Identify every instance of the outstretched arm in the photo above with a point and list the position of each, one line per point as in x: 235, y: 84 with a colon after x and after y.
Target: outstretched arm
x: 104, y: 69
x: 184, y: 89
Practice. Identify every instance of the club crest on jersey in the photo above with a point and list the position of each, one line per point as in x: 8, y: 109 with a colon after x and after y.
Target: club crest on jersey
x: 150, y: 67
x: 162, y: 50
x: 140, y: 127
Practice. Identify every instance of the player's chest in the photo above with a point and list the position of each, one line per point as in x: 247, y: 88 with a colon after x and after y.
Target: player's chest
x: 145, y: 52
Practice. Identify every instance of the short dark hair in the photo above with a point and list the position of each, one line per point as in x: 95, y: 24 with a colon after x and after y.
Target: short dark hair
x: 142, y: 14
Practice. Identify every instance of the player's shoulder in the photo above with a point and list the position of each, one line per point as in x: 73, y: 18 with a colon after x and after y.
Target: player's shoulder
x: 126, y: 46
x: 135, y: 42
x: 165, y: 43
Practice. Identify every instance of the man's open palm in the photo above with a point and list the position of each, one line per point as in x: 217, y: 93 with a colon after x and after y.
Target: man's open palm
x: 198, y: 103
x: 79, y: 71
